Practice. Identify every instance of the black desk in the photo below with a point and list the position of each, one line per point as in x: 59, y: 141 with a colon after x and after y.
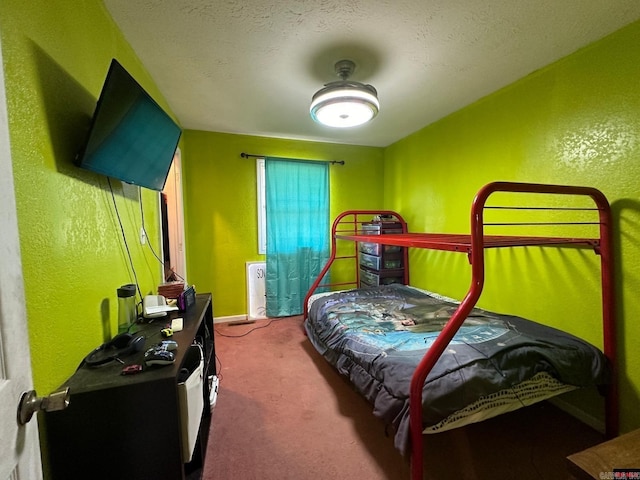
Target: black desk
x: 128, y: 427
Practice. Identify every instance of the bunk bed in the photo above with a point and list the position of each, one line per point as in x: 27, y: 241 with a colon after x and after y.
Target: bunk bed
x: 399, y: 377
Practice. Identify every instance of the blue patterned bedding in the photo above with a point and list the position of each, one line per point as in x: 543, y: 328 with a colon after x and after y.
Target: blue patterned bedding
x: 376, y: 337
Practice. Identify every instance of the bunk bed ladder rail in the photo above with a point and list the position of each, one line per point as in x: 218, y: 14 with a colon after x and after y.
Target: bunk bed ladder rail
x: 350, y: 221
x: 477, y: 259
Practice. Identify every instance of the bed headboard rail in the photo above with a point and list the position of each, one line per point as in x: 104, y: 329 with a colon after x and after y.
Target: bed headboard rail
x: 346, y: 225
x: 477, y: 240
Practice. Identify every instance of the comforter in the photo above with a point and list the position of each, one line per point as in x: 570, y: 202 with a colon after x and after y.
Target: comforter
x: 376, y: 337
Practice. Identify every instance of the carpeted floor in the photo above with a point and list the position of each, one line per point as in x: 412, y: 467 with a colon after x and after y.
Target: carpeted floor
x: 284, y: 413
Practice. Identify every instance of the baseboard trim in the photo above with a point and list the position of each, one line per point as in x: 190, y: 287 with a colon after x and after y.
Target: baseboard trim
x: 229, y: 318
x: 581, y: 415
x: 237, y: 318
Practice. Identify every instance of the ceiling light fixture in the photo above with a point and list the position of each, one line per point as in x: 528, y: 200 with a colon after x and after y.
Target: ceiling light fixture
x: 344, y: 103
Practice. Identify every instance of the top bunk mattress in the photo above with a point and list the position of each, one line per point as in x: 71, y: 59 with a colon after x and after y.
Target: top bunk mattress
x: 377, y: 336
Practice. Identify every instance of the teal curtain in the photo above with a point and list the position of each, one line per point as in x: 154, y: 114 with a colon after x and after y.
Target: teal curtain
x: 297, y: 212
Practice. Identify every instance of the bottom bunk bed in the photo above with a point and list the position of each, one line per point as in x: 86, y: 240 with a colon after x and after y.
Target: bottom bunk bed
x: 376, y: 336
x: 429, y: 363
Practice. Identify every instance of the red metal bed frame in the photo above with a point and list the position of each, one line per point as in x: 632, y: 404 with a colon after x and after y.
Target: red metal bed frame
x: 474, y: 245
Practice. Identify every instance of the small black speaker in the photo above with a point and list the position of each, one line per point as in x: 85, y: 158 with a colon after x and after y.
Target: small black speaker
x: 186, y: 299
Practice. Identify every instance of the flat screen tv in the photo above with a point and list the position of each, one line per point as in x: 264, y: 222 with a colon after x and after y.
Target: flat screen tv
x: 130, y: 138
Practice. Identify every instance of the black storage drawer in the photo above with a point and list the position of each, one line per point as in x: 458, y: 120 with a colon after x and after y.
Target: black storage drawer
x: 382, y: 277
x: 378, y: 249
x: 381, y: 264
x: 386, y: 261
x: 378, y: 228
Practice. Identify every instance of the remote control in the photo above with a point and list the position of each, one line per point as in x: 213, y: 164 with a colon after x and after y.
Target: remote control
x: 169, y: 345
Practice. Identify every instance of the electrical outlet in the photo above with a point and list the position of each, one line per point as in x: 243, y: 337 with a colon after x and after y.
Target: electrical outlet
x: 143, y: 236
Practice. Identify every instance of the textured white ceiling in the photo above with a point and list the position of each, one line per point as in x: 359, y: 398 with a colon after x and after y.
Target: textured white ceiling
x: 252, y: 66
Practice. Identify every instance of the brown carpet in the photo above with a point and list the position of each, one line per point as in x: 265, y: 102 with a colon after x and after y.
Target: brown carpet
x: 284, y: 413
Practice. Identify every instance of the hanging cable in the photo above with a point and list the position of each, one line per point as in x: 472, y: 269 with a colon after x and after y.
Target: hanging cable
x: 124, y: 237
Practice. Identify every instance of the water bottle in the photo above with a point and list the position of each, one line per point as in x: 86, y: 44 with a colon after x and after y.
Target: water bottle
x: 127, y: 312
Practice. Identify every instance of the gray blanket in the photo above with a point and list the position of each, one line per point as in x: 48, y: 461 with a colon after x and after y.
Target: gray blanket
x: 376, y: 337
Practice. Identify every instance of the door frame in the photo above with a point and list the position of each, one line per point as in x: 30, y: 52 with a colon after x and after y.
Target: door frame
x: 175, y: 218
x: 19, y: 445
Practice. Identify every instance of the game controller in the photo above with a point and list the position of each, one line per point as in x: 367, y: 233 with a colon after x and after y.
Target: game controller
x: 159, y: 356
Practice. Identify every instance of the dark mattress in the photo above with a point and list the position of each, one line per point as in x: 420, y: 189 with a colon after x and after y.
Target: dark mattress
x: 376, y: 337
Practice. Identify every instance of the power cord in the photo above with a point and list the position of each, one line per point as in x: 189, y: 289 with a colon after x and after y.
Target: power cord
x: 124, y: 237
x: 218, y: 369
x: 271, y: 320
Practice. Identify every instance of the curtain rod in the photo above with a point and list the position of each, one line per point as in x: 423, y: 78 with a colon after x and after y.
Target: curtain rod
x: 249, y: 155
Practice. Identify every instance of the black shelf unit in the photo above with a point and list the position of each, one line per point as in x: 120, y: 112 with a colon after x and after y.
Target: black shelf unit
x: 380, y: 264
x: 130, y: 426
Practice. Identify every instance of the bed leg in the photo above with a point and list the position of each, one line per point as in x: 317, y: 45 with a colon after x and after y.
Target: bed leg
x: 416, y: 456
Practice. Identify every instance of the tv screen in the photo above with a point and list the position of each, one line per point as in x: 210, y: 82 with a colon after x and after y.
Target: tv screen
x: 131, y: 138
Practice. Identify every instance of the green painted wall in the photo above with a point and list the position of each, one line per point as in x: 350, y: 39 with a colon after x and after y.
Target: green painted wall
x: 221, y: 205
x: 56, y: 55
x: 574, y: 122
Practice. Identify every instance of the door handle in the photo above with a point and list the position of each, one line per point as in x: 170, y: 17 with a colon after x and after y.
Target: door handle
x: 31, y: 403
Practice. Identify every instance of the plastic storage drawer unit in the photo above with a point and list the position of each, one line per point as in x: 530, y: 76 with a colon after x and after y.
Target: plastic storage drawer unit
x: 383, y: 277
